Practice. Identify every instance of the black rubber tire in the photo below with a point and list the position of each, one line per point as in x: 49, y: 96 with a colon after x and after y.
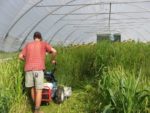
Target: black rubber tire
x: 59, y: 95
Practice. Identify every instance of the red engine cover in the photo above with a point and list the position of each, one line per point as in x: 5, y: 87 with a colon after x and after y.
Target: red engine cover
x: 46, y: 94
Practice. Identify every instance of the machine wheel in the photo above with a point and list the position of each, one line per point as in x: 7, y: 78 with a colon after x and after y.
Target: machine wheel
x: 60, y: 96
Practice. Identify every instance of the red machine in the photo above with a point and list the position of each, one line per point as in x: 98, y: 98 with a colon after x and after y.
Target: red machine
x: 51, y: 91
x: 46, y: 94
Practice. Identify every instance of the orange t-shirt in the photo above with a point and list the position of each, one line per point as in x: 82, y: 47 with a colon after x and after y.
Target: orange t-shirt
x: 34, y: 54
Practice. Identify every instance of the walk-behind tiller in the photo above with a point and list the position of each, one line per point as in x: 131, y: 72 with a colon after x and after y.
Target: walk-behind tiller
x: 53, y: 92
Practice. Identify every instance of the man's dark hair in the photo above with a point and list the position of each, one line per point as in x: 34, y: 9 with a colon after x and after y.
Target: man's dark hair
x: 37, y: 35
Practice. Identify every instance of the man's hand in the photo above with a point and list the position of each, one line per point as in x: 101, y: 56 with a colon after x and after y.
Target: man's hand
x: 21, y: 56
x: 53, y: 62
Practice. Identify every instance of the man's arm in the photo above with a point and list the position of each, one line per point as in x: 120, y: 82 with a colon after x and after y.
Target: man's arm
x: 21, y: 56
x: 53, y: 55
x: 52, y: 51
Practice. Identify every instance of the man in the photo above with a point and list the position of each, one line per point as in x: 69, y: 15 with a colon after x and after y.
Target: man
x: 34, y: 56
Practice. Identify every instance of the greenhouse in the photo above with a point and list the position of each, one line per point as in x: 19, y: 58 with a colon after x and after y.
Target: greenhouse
x: 103, y: 54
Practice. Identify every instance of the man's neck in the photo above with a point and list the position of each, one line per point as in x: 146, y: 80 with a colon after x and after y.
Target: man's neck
x: 37, y: 40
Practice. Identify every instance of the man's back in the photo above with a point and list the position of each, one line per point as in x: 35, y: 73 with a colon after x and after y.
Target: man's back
x: 34, y: 53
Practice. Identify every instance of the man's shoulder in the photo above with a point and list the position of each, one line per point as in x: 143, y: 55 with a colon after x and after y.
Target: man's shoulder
x: 28, y: 44
x: 44, y: 43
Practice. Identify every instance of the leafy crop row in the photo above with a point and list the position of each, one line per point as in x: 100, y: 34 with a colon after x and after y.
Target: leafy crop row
x: 113, y: 76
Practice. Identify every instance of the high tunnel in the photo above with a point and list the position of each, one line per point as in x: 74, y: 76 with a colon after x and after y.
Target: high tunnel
x: 66, y: 22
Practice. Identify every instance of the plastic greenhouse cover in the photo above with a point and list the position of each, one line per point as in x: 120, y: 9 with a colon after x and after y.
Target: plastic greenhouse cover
x: 67, y: 22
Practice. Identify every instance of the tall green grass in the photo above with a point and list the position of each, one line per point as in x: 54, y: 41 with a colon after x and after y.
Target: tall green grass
x: 113, y: 76
x: 122, y: 81
x: 120, y: 91
x: 12, y: 99
x: 4, y: 55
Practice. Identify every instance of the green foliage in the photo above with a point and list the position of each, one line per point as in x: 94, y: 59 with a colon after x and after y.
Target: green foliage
x: 11, y: 88
x: 75, y: 64
x: 4, y: 55
x: 113, y: 74
x: 106, y: 77
x: 122, y: 92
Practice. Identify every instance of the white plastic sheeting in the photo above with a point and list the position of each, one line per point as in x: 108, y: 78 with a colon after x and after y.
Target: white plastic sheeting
x: 71, y: 21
